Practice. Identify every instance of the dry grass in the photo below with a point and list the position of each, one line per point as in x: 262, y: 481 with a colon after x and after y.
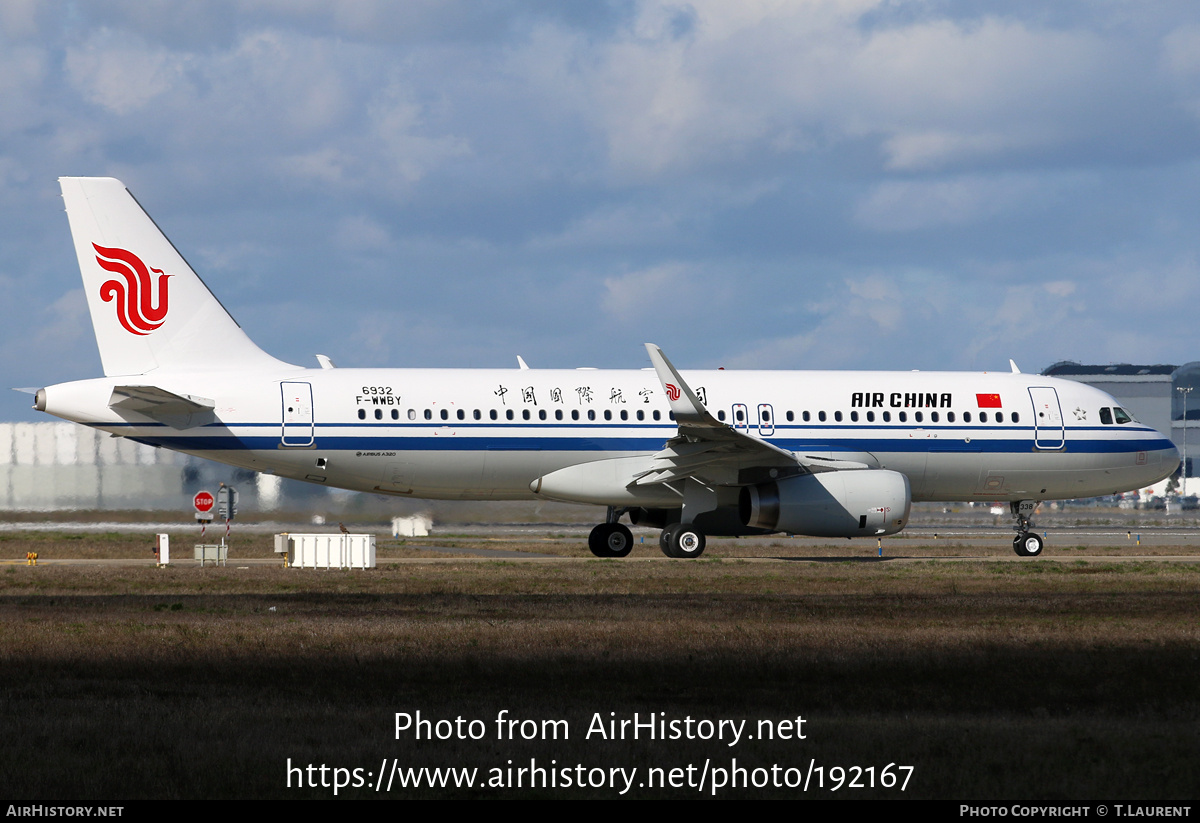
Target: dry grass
x: 1043, y: 680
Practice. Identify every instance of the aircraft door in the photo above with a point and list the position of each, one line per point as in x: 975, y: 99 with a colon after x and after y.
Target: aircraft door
x: 297, y: 414
x: 741, y: 417
x: 766, y: 420
x: 1048, y: 430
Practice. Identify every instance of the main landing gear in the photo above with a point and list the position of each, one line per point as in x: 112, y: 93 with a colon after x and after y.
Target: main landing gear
x: 1026, y: 543
x: 612, y: 539
x: 683, y: 540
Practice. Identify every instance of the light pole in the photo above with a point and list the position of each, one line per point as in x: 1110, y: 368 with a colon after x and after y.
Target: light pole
x: 1185, y: 391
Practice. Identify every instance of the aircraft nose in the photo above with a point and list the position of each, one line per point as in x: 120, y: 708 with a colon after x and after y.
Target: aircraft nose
x: 1170, y: 458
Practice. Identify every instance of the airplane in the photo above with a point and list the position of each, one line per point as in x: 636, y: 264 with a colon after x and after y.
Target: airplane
x: 693, y: 453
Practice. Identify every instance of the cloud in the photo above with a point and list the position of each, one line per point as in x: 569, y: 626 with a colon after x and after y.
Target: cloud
x: 120, y: 72
x: 907, y: 205
x: 361, y: 233
x: 1060, y: 288
x: 779, y: 78
x: 642, y: 294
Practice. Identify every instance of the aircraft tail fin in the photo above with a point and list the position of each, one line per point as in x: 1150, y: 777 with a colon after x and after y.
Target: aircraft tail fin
x: 149, y: 309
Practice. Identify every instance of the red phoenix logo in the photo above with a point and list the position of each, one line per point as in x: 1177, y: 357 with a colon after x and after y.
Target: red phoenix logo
x: 672, y: 391
x: 135, y: 309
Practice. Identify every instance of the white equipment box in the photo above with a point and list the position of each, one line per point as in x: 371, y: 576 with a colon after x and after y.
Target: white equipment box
x: 327, y: 551
x: 215, y: 553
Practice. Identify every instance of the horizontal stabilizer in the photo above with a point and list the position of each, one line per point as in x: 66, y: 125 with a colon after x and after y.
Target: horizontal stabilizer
x: 160, y: 404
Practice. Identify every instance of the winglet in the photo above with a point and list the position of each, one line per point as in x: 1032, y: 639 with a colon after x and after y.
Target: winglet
x: 685, y: 405
x: 1013, y: 363
x: 521, y: 364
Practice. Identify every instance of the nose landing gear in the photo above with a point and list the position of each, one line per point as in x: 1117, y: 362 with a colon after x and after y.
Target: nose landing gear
x: 1026, y: 543
x: 610, y: 540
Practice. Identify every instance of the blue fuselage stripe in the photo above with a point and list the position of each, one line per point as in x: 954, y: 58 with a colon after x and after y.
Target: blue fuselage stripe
x: 468, y: 442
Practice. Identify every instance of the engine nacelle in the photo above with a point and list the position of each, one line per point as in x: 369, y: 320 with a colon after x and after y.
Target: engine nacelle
x: 866, y: 503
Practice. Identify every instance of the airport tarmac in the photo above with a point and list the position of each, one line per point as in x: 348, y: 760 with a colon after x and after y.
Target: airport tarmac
x: 567, y: 543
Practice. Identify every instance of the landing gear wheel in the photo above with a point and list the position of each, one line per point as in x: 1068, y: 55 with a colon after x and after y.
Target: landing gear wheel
x: 682, y: 540
x: 610, y: 540
x: 664, y: 542
x: 1027, y: 545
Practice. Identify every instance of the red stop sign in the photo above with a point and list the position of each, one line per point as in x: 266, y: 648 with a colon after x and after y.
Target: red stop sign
x: 203, y: 501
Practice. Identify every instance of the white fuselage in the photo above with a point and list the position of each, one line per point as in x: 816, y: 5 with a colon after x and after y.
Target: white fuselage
x: 491, y: 433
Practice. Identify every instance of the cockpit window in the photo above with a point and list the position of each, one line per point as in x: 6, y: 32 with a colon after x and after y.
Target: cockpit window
x: 1106, y: 416
x: 1121, y: 415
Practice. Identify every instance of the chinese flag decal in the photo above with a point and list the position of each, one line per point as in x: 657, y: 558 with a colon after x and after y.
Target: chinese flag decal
x: 988, y: 401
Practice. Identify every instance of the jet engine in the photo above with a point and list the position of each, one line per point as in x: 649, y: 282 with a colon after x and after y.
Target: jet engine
x: 864, y: 503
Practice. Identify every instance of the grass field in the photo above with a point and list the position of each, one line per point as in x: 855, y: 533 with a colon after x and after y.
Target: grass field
x: 1066, y: 678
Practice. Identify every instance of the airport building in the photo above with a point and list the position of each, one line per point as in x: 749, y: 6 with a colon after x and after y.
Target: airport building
x: 58, y: 466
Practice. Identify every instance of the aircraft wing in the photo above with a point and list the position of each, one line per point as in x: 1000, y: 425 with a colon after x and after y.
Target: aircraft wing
x: 707, y: 449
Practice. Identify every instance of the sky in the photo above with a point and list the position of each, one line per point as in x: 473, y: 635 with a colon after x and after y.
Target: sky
x: 859, y: 184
